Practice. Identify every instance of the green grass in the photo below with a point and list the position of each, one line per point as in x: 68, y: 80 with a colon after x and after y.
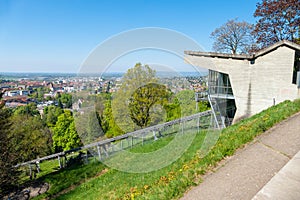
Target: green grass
x: 151, y: 145
x: 47, y: 167
x: 121, y: 185
x: 69, y: 177
x: 173, y: 180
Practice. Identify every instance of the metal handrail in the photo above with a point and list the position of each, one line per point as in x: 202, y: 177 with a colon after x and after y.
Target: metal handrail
x: 120, y: 137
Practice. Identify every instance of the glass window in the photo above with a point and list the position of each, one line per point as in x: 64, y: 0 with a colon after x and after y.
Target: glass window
x: 296, y: 66
x: 219, y: 83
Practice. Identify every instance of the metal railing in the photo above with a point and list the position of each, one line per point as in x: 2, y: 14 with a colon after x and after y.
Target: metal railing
x: 102, y: 147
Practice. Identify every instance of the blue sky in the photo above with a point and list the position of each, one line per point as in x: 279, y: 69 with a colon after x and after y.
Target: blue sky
x: 58, y: 35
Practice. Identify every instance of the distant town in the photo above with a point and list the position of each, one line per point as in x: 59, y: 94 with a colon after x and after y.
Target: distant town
x: 20, y: 89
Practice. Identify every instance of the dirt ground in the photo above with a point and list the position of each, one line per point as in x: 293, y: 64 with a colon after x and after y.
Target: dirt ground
x: 31, y: 190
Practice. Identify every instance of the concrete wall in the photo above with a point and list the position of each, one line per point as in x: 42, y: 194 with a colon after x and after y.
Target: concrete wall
x: 255, y: 86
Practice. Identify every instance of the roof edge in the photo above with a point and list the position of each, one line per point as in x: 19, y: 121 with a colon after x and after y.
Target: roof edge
x: 219, y: 55
x: 274, y: 46
x: 261, y: 52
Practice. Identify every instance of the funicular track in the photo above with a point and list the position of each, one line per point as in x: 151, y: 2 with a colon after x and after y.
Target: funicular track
x: 103, y: 149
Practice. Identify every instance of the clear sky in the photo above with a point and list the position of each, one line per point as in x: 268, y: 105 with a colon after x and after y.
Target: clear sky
x: 57, y: 35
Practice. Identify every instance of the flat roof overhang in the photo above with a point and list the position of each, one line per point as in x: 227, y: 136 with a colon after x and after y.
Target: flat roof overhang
x: 220, y: 55
x: 251, y: 57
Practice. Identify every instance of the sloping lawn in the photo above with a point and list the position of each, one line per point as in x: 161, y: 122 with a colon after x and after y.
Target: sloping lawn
x: 173, y: 180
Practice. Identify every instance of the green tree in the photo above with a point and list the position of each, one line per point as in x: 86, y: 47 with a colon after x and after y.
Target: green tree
x: 132, y: 80
x: 143, y: 99
x: 100, y: 101
x: 108, y: 124
x: 28, y: 110
x: 38, y: 93
x: 59, y: 104
x: 88, y: 126
x: 64, y: 135
x: 187, y: 103
x: 30, y: 137
x: 173, y: 110
x: 66, y: 100
x: 51, y: 114
x: 9, y: 157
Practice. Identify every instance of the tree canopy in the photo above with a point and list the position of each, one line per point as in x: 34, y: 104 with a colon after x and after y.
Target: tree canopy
x: 29, y: 110
x: 30, y: 137
x: 23, y: 137
x: 109, y: 125
x: 9, y: 157
x: 65, y: 136
x: 136, y: 77
x: 51, y: 114
x: 143, y: 99
x: 38, y: 93
x: 186, y: 99
x: 233, y: 37
x: 277, y: 20
x: 64, y: 100
x: 88, y: 126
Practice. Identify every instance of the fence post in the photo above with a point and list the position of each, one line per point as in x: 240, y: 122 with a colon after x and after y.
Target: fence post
x: 65, y: 161
x: 154, y: 135
x: 30, y: 171
x: 37, y: 163
x: 86, y: 157
x: 59, y: 163
x: 99, y: 152
x: 105, y: 151
x: 198, y: 124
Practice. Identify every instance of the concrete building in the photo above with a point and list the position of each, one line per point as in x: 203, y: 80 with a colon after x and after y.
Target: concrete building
x: 244, y: 85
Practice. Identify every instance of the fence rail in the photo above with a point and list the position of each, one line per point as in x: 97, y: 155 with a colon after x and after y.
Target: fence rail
x: 105, y: 144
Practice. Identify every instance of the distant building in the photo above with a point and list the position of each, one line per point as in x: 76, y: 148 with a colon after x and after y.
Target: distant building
x: 13, y: 93
x: 83, y: 87
x: 56, y: 88
x: 24, y: 92
x: 14, y: 104
x: 15, y: 101
x: 69, y: 88
x: 244, y: 85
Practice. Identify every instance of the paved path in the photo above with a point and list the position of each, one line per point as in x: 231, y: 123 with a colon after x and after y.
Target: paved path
x: 285, y: 184
x: 267, y: 168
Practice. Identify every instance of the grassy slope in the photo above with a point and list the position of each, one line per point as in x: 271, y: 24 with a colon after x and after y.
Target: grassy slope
x: 69, y: 177
x: 173, y: 180
x: 121, y: 185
